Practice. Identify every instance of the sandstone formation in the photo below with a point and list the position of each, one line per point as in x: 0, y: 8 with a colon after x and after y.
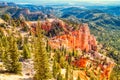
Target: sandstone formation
x: 99, y: 66
x: 79, y: 39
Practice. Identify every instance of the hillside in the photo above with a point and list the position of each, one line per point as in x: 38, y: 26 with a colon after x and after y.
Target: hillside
x: 78, y: 40
x: 93, y: 17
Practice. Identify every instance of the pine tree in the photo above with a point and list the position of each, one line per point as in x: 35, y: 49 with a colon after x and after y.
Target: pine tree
x: 26, y: 49
x: 41, y: 62
x: 26, y: 52
x: 69, y: 58
x: 6, y: 17
x: 62, y: 62
x: 11, y: 56
x: 57, y: 56
x: 67, y: 72
x: 48, y: 48
x: 56, y: 69
x: 1, y: 48
x: 78, y: 78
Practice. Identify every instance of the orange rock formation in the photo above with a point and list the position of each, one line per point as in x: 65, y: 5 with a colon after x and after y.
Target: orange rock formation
x: 79, y: 39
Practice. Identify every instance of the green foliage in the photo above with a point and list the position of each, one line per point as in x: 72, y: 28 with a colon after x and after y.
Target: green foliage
x: 11, y: 56
x: 48, y: 48
x: 25, y: 28
x: 19, y: 42
x: 70, y: 58
x: 60, y: 58
x: 56, y: 69
x: 62, y: 62
x: 3, y: 25
x: 26, y: 52
x: 6, y: 17
x: 57, y: 56
x: 115, y: 74
x: 41, y: 61
x: 67, y: 73
x: 1, y: 48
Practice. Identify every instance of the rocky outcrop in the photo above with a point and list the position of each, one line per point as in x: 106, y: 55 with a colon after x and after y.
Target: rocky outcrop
x: 65, y: 36
x: 53, y: 27
x: 95, y: 63
x: 79, y: 39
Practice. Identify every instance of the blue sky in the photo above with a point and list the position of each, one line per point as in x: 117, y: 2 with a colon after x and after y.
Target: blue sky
x: 57, y: 1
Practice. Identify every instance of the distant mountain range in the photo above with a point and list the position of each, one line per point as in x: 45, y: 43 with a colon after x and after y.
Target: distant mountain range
x: 7, y: 4
x: 29, y: 12
x: 113, y: 11
x: 95, y: 16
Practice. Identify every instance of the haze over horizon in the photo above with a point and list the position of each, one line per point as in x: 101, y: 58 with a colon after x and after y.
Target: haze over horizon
x: 104, y: 2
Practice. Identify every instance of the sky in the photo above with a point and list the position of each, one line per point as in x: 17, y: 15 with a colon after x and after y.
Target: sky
x: 59, y: 1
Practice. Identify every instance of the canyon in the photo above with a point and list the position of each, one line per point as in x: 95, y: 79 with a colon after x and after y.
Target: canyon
x: 81, y: 40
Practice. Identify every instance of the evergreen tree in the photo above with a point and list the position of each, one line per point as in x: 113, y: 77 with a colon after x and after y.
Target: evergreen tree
x: 11, y: 56
x: 41, y: 62
x: 57, y: 56
x: 26, y: 52
x: 6, y: 17
x: 56, y: 69
x: 1, y: 48
x: 48, y: 48
x: 62, y: 62
x: 69, y: 58
x: 78, y: 78
x: 67, y: 72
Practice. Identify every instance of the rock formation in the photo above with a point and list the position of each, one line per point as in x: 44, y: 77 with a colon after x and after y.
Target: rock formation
x: 96, y: 63
x: 79, y: 39
x: 71, y: 39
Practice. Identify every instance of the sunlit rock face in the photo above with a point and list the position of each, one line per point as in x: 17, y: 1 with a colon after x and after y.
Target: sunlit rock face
x: 65, y: 36
x: 78, y: 39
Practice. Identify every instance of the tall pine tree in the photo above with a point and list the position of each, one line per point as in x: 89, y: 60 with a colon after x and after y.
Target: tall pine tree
x: 41, y: 62
x: 11, y: 56
x: 26, y: 51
